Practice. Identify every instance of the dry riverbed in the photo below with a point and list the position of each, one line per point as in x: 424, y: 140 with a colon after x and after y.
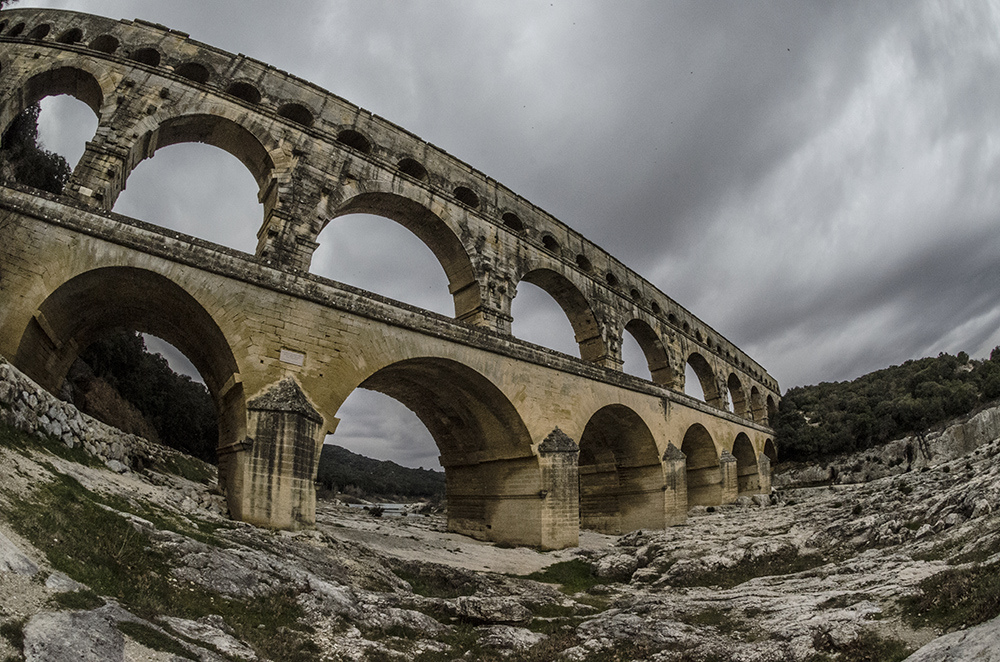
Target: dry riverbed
x: 143, y: 565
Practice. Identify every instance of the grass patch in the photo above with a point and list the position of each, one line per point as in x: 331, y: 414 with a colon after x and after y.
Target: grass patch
x: 956, y: 597
x: 188, y: 467
x: 153, y: 638
x: 101, y: 549
x: 13, y: 632
x: 784, y: 562
x: 843, y: 601
x: 869, y: 646
x: 22, y: 442
x: 573, y: 576
x: 433, y: 582
x: 82, y: 600
x: 714, y: 617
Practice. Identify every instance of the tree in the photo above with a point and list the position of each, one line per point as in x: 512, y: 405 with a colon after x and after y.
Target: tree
x: 25, y: 161
x: 179, y: 409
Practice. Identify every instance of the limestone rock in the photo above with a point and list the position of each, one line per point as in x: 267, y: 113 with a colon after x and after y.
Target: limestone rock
x: 13, y: 560
x: 616, y: 567
x: 980, y: 643
x: 77, y: 636
x: 61, y: 583
x: 509, y: 639
x: 491, y: 610
x: 213, y: 633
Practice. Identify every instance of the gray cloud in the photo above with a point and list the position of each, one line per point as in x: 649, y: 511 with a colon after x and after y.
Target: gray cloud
x: 818, y: 181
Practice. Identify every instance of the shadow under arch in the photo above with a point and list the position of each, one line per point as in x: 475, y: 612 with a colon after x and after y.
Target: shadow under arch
x: 621, y: 477
x: 736, y: 395
x: 493, y: 476
x: 73, y: 81
x: 703, y: 469
x: 757, y: 408
x: 434, y: 233
x: 108, y: 299
x: 747, y: 470
x: 770, y: 451
x: 656, y: 355
x: 706, y: 378
x: 581, y: 316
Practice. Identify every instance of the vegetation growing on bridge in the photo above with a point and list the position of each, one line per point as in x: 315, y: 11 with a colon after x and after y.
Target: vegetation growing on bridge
x: 841, y: 417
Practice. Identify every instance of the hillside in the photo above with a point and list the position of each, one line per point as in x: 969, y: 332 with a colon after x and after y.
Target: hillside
x: 340, y: 470
x: 114, y: 549
x: 815, y: 422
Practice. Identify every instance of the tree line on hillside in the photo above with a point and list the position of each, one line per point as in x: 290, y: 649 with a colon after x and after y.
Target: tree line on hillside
x: 841, y: 417
x: 178, y: 408
x: 340, y: 470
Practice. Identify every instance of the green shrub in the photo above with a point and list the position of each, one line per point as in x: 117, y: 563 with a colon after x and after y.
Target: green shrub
x: 574, y: 576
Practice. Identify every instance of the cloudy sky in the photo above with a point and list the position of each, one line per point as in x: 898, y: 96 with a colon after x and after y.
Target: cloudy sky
x: 818, y: 181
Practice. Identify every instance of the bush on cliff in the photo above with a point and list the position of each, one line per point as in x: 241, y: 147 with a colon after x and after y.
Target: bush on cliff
x: 179, y: 409
x: 841, y: 417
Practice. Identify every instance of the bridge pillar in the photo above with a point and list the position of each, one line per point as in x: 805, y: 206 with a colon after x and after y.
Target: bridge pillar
x: 270, y: 477
x: 560, y: 494
x: 764, y: 474
x: 730, y: 478
x: 674, y: 486
x: 99, y: 176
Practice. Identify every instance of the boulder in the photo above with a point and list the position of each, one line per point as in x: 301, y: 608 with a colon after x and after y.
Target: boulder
x: 491, y: 610
x: 980, y: 643
x: 13, y: 559
x: 80, y: 636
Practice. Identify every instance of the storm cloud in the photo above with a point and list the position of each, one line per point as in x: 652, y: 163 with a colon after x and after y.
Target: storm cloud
x: 820, y: 182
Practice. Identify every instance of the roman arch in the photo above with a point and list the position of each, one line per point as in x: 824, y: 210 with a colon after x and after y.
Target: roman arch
x: 534, y: 443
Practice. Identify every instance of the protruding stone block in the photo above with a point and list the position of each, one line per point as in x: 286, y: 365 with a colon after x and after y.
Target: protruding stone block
x: 764, y: 474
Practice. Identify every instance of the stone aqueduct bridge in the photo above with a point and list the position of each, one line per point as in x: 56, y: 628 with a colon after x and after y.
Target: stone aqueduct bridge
x: 534, y: 443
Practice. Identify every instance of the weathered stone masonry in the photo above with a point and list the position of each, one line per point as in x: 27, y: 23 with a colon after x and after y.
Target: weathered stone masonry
x: 629, y: 453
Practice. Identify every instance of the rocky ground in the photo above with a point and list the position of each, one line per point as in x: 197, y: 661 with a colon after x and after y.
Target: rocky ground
x: 140, y: 563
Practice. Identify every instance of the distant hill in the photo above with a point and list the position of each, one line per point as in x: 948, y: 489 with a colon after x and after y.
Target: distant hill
x: 344, y: 471
x: 841, y: 417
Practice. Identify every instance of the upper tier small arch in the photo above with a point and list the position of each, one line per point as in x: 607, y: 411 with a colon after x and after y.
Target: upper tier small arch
x: 357, y: 140
x: 71, y: 36
x: 104, y: 43
x: 297, y: 113
x: 193, y: 71
x: 147, y: 55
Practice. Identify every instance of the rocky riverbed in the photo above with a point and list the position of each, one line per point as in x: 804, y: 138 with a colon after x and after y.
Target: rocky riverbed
x: 138, y: 562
